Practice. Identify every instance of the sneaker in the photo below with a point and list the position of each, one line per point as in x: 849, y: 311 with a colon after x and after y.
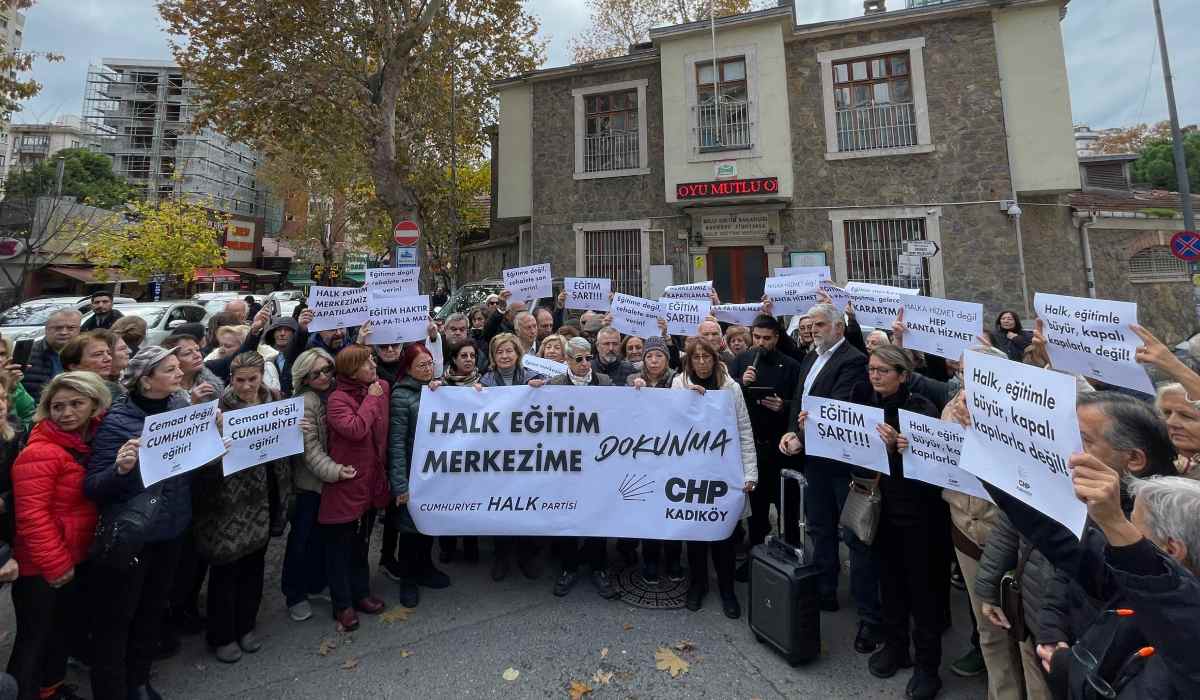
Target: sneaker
x: 392, y: 570
x: 500, y: 567
x: 530, y: 568
x: 868, y: 638
x: 924, y: 685
x: 970, y: 664
x: 300, y: 611
x: 731, y: 607
x: 433, y: 578
x: 229, y: 653
x: 886, y: 662
x: 650, y: 572
x: 603, y: 585
x: 695, y: 598
x: 410, y: 594
x: 564, y: 584
x: 675, y: 572
x: 370, y: 605
x: 250, y: 643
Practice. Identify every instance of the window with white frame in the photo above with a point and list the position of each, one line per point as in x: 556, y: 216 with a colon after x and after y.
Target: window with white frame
x: 610, y: 130
x: 723, y: 104
x: 867, y: 244
x: 617, y: 255
x: 874, y: 100
x: 1157, y: 264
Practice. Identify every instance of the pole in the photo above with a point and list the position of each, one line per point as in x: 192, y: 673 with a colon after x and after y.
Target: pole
x: 58, y: 177
x: 453, y: 220
x: 712, y: 26
x: 1181, y: 172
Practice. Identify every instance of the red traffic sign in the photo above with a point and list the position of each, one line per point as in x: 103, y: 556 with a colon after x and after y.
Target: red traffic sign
x: 1185, y: 245
x: 406, y: 233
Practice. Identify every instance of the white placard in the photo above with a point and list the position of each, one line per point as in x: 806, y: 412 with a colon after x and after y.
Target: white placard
x: 846, y: 432
x: 820, y: 271
x: 587, y: 293
x: 393, y: 281
x: 840, y: 297
x: 683, y: 316
x: 695, y: 290
x: 547, y: 368
x: 337, y: 307
x: 1092, y: 337
x: 529, y: 283
x: 262, y: 433
x: 399, y: 319
x: 941, y: 327
x: 176, y: 442
x: 1024, y: 429
x: 635, y: 315
x: 876, y: 305
x: 792, y: 295
x: 740, y: 314
x: 603, y: 463
x: 934, y: 450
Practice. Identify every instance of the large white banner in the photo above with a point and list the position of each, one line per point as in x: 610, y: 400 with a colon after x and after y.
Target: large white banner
x: 876, y: 305
x: 683, y: 316
x: 934, y: 450
x: 740, y: 314
x: 587, y: 293
x: 635, y: 315
x: 846, y: 432
x: 1024, y: 429
x: 337, y: 307
x: 393, y: 281
x: 262, y: 433
x: 1092, y: 337
x: 694, y: 290
x: 575, y: 461
x: 399, y: 319
x: 176, y: 442
x: 792, y: 295
x: 941, y: 327
x: 529, y: 283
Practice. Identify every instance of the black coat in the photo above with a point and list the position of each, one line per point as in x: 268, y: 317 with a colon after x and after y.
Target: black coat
x: 618, y: 371
x: 97, y: 321
x: 776, y: 371
x: 904, y: 499
x: 40, y: 369
x: 846, y: 368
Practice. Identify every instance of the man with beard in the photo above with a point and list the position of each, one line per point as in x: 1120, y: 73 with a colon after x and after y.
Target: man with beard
x: 608, y: 356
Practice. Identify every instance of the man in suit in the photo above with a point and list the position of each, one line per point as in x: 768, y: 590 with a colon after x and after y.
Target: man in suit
x: 830, y: 370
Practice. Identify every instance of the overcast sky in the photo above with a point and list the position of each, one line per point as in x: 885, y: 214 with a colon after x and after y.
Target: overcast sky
x: 1115, y: 72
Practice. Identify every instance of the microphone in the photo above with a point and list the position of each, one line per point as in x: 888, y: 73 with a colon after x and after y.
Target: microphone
x: 757, y: 356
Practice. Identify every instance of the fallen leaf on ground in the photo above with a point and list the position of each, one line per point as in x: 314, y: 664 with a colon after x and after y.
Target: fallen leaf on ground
x: 627, y: 627
x: 350, y: 664
x: 684, y: 645
x: 604, y: 653
x: 396, y: 614
x: 405, y: 653
x: 578, y: 689
x: 602, y: 677
x: 327, y: 645
x: 510, y: 674
x: 667, y: 660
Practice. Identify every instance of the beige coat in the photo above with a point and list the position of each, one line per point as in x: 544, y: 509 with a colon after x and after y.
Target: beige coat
x: 974, y: 517
x: 314, y: 468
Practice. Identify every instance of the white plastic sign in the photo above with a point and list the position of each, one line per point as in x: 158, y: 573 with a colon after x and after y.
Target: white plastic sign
x: 587, y: 293
x: 399, y: 319
x: 695, y: 290
x: 792, y: 295
x: 176, y: 442
x: 1092, y: 337
x: 941, y: 327
x: 529, y: 283
x: 262, y: 433
x: 934, y: 450
x: 846, y: 432
x: 683, y: 316
x: 635, y: 315
x: 393, y: 281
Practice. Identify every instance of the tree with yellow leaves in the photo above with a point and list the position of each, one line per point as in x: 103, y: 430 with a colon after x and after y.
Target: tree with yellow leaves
x: 174, y: 237
x: 618, y: 24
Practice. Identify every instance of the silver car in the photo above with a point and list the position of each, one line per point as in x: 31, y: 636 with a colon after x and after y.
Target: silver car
x: 162, y: 317
x: 28, y: 319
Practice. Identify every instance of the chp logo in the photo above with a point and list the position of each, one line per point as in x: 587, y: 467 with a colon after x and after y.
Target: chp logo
x: 702, y: 491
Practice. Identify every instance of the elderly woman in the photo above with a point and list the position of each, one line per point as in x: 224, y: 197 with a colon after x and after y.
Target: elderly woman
x: 19, y: 400
x: 92, y: 352
x: 553, y: 347
x: 461, y: 369
x: 199, y: 383
x: 657, y: 374
x: 129, y: 597
x: 737, y: 339
x: 55, y: 524
x: 632, y: 348
x: 703, y: 371
x: 229, y: 340
x: 132, y: 330
x: 1183, y: 424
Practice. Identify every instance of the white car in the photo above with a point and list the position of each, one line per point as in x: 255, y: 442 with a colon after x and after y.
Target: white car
x: 163, y: 317
x: 28, y: 319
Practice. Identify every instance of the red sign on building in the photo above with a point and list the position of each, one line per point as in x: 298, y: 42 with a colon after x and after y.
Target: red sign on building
x: 727, y: 188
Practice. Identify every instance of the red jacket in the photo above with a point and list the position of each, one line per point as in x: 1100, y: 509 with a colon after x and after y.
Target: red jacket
x: 358, y: 437
x: 55, y: 521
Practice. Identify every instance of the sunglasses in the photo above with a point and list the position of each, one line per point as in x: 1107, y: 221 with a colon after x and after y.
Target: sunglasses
x: 390, y: 346
x: 582, y: 358
x: 492, y: 303
x: 326, y: 371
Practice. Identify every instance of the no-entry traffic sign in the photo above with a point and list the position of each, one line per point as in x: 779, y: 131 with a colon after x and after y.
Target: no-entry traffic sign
x: 1185, y: 245
x: 406, y: 233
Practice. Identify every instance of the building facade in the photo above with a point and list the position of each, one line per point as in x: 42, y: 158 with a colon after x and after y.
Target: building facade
x: 30, y: 144
x: 12, y: 31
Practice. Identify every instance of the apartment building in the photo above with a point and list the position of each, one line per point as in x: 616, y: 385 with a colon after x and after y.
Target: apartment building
x: 12, y: 31
x: 30, y: 144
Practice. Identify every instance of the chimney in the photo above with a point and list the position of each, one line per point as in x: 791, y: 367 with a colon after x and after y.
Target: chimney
x: 872, y: 7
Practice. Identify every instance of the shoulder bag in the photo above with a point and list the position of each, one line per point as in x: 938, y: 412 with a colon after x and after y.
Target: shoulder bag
x: 121, y: 531
x: 1010, y: 596
x: 861, y: 512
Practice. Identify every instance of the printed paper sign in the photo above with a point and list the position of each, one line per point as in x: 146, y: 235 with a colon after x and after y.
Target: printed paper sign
x: 876, y: 305
x: 635, y: 315
x: 178, y: 441
x: 941, y: 327
x: 934, y: 450
x: 838, y: 296
x: 399, y: 319
x: 547, y: 368
x: 1024, y: 429
x: 683, y: 316
x: 792, y: 295
x: 262, y: 433
x: 587, y: 293
x: 819, y: 271
x: 696, y: 290
x: 846, y: 432
x: 739, y: 314
x: 1092, y: 337
x: 337, y: 307
x: 603, y: 463
x: 529, y: 283
x: 393, y: 281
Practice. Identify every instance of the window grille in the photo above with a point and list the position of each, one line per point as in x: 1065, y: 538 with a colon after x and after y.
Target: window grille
x: 723, y: 120
x: 873, y: 246
x: 616, y: 255
x: 1156, y: 264
x: 612, y: 139
x: 874, y: 103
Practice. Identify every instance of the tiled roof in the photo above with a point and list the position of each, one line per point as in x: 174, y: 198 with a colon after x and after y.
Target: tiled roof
x: 1133, y: 200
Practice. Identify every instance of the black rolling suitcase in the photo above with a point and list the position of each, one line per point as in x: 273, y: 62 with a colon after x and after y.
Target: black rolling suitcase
x: 785, y: 604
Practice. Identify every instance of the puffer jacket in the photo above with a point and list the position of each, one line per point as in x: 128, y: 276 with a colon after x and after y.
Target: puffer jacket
x: 314, y: 468
x: 973, y: 517
x: 111, y: 490
x: 40, y: 369
x: 1004, y: 546
x: 358, y: 437
x: 405, y: 405
x: 55, y: 521
x: 745, y: 430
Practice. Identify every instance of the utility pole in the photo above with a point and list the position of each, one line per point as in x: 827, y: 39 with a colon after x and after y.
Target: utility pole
x: 58, y: 177
x: 1181, y: 173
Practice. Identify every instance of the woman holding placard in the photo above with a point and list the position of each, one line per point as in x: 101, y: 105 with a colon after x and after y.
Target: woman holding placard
x: 463, y: 370
x: 703, y: 371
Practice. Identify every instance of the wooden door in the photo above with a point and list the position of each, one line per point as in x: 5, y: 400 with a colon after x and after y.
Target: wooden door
x: 738, y: 274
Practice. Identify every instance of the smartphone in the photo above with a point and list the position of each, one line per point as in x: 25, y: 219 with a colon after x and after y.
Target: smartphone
x: 22, y: 350
x: 272, y: 306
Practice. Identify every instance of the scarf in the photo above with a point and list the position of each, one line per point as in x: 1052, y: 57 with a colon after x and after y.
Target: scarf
x: 709, y: 384
x: 581, y: 381
x: 506, y: 376
x: 454, y: 379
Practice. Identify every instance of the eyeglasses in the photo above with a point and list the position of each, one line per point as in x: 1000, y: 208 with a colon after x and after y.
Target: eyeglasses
x: 492, y: 303
x: 326, y: 371
x: 582, y: 358
x: 390, y: 346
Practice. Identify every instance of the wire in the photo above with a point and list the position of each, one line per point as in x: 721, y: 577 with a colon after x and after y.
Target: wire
x: 1149, y: 73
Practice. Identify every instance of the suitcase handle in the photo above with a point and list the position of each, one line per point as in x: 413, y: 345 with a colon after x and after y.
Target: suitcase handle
x: 784, y: 475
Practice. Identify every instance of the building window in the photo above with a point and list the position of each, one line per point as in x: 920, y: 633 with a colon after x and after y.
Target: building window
x: 874, y: 100
x: 616, y: 255
x: 1156, y: 264
x: 868, y: 242
x: 723, y: 106
x: 610, y: 130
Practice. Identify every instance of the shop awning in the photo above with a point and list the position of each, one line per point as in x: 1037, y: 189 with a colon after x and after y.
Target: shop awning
x: 216, y: 274
x: 87, y: 275
x: 255, y: 272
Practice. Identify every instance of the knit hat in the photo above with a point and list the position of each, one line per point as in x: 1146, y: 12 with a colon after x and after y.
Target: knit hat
x: 655, y: 344
x: 143, y: 363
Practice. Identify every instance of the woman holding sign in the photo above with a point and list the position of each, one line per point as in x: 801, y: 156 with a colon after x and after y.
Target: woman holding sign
x: 463, y: 370
x: 703, y: 371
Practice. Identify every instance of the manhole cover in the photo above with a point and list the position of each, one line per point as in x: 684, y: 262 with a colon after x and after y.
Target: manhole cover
x: 664, y: 595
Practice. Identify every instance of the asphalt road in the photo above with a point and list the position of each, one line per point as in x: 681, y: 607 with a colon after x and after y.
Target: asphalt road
x: 460, y: 641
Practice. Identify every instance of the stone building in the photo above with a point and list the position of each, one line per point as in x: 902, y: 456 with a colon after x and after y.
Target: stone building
x: 829, y: 143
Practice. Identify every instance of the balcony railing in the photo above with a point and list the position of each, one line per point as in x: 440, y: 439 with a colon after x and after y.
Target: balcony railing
x: 724, y: 124
x: 617, y: 150
x: 878, y: 126
x: 926, y: 3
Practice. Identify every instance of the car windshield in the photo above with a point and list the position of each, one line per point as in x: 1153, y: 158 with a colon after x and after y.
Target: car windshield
x: 31, y: 313
x: 151, y: 314
x: 466, y: 297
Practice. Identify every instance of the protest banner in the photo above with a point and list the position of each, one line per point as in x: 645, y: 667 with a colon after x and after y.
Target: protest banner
x: 846, y: 432
x: 529, y: 283
x: 876, y: 305
x: 792, y: 295
x: 837, y: 296
x: 740, y: 314
x: 547, y: 368
x: 1092, y: 337
x: 393, y: 281
x: 819, y: 271
x: 566, y: 461
x: 695, y: 290
x: 178, y: 441
x: 934, y: 450
x: 398, y: 319
x: 1024, y: 429
x: 337, y: 307
x: 635, y: 315
x: 683, y: 316
x: 587, y: 293
x: 941, y: 327
x: 262, y: 433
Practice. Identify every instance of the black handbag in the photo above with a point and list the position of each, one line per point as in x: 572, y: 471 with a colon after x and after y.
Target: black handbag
x: 121, y: 533
x: 1010, y: 597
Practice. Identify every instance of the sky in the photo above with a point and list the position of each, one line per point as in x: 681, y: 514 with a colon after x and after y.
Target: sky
x: 1112, y: 59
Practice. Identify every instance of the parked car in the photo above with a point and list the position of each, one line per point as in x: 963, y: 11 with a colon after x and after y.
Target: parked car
x: 28, y: 319
x: 215, y: 301
x: 163, y: 317
x: 475, y: 293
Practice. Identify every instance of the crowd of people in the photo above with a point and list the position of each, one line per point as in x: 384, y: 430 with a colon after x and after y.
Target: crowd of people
x: 108, y: 573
